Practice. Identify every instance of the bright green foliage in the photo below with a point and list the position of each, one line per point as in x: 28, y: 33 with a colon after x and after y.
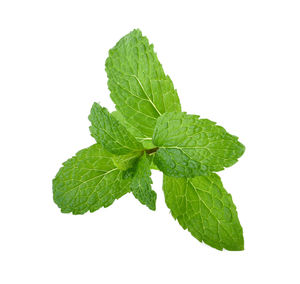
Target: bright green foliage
x: 203, y: 206
x: 141, y: 183
x: 189, y: 146
x: 147, y: 142
x: 109, y: 132
x: 139, y: 87
x: 88, y: 181
x: 149, y: 131
x: 127, y: 161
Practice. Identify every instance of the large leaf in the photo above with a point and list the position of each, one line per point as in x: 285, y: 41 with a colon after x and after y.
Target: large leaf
x: 203, y: 206
x: 88, y: 181
x: 139, y: 87
x: 189, y: 146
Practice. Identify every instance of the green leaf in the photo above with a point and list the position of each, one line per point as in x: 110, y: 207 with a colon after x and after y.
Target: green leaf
x: 203, y: 206
x: 151, y: 160
x: 189, y: 146
x: 88, y: 181
x: 139, y: 87
x: 141, y: 183
x: 147, y: 142
x: 127, y: 161
x: 110, y: 133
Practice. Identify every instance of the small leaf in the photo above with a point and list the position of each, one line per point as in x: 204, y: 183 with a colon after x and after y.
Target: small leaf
x: 141, y: 183
x: 127, y: 161
x: 110, y: 133
x: 147, y: 142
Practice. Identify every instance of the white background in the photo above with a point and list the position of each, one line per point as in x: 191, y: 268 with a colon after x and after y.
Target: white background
x: 234, y: 62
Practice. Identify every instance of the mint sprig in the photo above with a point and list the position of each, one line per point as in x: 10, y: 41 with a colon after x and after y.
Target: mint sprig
x: 149, y: 131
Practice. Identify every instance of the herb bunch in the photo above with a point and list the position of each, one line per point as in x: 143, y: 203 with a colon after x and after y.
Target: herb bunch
x: 149, y: 131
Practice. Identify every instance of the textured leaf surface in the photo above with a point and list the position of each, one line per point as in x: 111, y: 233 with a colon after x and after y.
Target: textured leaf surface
x: 127, y: 161
x: 141, y: 183
x: 139, y: 87
x: 189, y: 146
x: 88, y: 181
x: 110, y: 133
x: 203, y: 206
x: 147, y: 142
